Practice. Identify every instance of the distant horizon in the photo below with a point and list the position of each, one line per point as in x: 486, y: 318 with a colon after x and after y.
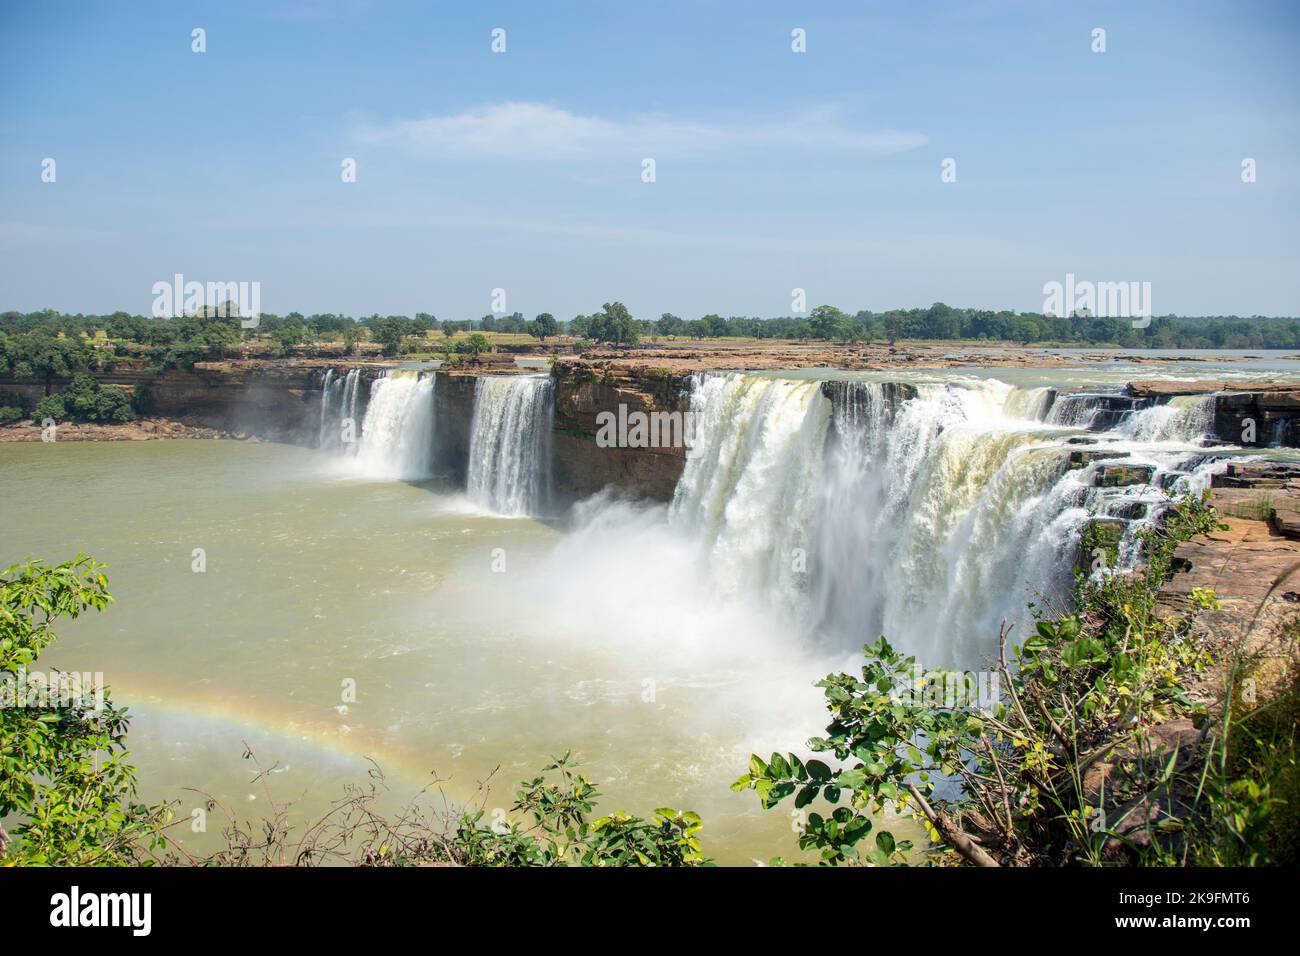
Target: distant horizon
x: 361, y: 316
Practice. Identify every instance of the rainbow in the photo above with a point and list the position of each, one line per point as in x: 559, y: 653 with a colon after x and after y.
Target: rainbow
x: 401, y: 766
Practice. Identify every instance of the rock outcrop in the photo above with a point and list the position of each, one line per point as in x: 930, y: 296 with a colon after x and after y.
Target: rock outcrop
x: 582, y: 466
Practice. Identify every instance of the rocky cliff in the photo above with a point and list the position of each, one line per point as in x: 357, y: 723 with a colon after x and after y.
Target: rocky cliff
x: 280, y: 401
x: 582, y: 467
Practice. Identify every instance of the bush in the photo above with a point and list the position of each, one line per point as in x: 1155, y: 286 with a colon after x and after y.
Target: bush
x: 80, y: 397
x: 561, y: 835
x: 113, y: 404
x: 1013, y: 781
x: 85, y: 400
x: 51, y: 406
x: 63, y: 769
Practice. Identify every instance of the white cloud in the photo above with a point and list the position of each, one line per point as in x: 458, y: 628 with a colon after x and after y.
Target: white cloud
x: 523, y: 130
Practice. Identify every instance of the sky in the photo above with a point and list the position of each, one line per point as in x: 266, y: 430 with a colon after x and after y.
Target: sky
x: 774, y: 170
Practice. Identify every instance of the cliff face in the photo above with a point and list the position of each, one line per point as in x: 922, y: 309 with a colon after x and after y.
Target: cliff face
x: 281, y: 404
x: 281, y: 401
x: 277, y: 402
x: 581, y: 466
x: 453, y: 422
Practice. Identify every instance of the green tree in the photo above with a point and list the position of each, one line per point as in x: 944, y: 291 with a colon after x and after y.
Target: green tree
x: 351, y: 335
x: 85, y: 400
x: 389, y: 333
x: 613, y: 323
x: 941, y: 322
x: 542, y: 326
x: 670, y: 325
x: 475, y: 345
x: 63, y: 760
x: 51, y: 407
x: 829, y: 323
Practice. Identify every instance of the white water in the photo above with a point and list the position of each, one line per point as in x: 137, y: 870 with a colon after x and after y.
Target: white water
x: 325, y: 394
x: 748, y: 485
x: 930, y: 516
x: 509, y: 450
x: 351, y: 388
x: 1185, y: 418
x: 937, y: 518
x: 930, y: 512
x: 397, y: 434
x: 338, y: 411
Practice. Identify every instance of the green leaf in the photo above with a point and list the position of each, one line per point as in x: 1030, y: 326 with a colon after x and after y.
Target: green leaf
x: 818, y: 770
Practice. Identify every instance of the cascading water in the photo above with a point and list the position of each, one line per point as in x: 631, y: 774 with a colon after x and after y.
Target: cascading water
x: 748, y: 483
x: 1184, y: 418
x: 325, y: 393
x: 338, y: 412
x: 930, y: 511
x: 936, y: 517
x: 509, y: 449
x: 927, y: 512
x: 397, y: 434
x: 351, y: 388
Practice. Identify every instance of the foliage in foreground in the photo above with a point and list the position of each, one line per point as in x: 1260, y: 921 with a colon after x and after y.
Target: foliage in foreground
x: 561, y: 834
x: 63, y: 771
x: 557, y: 830
x: 69, y: 795
x: 1063, y: 767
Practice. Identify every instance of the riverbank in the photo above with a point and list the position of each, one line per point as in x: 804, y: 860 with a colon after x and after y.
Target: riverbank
x: 142, y: 429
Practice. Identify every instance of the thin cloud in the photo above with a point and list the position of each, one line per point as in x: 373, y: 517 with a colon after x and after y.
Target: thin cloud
x: 21, y: 234
x: 529, y: 131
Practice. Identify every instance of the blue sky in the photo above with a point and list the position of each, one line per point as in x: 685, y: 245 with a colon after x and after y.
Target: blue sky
x: 774, y: 170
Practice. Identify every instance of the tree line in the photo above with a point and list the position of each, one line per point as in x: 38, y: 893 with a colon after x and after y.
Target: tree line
x: 58, y: 343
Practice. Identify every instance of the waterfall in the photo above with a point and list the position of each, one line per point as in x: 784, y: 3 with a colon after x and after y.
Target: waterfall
x: 1184, y: 418
x: 937, y: 517
x: 1074, y: 410
x: 749, y: 479
x: 397, y: 434
x: 324, y: 407
x: 927, y: 512
x: 1095, y: 411
x: 509, y: 448
x: 351, y: 386
x: 338, y: 407
x: 1029, y: 404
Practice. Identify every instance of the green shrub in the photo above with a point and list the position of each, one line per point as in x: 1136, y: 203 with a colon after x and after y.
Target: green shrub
x: 1085, y: 688
x: 112, y: 404
x: 63, y: 769
x: 561, y: 834
x: 85, y: 400
x: 51, y: 406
